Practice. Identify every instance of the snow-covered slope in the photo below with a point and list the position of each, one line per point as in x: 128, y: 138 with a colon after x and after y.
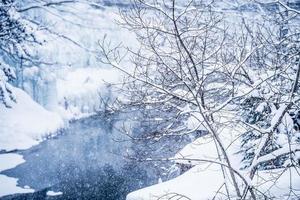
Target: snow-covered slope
x: 202, y: 183
x: 25, y: 123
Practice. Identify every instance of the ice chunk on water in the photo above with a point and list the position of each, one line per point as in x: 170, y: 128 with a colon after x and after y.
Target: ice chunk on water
x: 52, y: 193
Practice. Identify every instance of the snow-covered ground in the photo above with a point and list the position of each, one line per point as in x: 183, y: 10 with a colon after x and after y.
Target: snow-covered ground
x: 198, y: 183
x: 202, y: 182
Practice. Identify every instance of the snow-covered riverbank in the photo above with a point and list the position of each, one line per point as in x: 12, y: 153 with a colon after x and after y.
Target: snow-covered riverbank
x: 9, y: 161
x: 23, y: 125
x: 81, y: 92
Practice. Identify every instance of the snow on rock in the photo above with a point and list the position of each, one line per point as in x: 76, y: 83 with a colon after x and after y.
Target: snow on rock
x: 9, y: 186
x: 52, y: 193
x: 261, y: 107
x: 23, y: 125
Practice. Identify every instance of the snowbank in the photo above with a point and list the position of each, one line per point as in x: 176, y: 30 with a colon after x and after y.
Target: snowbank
x: 202, y: 183
x: 23, y: 125
x: 198, y: 183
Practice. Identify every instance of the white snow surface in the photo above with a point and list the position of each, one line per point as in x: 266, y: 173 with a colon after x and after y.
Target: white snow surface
x: 23, y: 125
x: 201, y: 148
x: 201, y: 182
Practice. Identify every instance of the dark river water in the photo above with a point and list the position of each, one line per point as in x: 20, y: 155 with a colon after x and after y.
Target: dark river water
x: 87, y: 160
x: 84, y: 162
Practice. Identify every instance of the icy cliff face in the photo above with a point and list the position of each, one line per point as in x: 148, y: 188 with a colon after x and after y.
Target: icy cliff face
x: 71, y: 80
